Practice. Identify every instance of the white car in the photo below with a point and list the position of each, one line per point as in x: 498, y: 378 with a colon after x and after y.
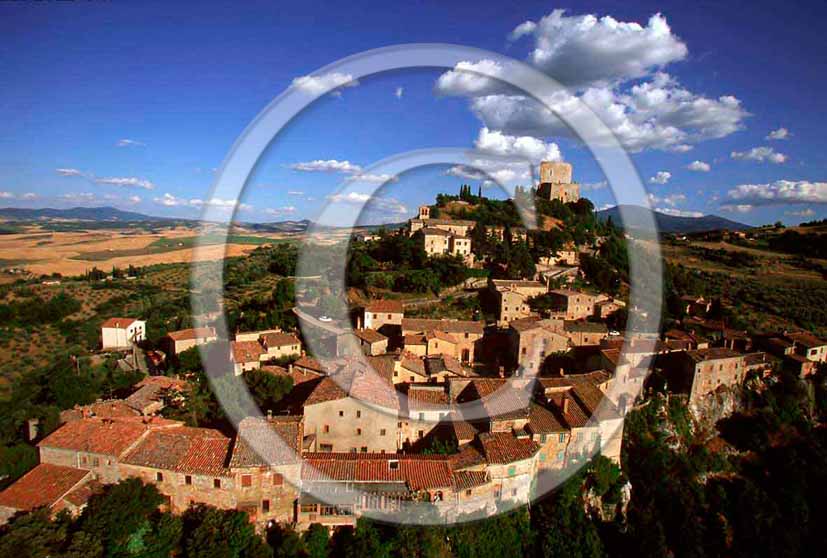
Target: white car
x: 325, y: 319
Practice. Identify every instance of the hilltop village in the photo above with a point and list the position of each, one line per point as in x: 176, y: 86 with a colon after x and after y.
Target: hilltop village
x: 464, y: 414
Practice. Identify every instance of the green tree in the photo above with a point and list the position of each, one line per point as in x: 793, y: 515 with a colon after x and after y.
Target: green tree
x: 214, y: 533
x: 317, y: 541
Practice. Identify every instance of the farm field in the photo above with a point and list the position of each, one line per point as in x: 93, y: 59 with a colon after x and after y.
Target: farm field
x: 73, y: 253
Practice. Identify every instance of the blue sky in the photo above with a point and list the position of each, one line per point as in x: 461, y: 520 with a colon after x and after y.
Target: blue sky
x: 135, y: 104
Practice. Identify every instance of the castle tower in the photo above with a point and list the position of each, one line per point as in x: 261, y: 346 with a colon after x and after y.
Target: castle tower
x: 424, y: 212
x: 556, y: 184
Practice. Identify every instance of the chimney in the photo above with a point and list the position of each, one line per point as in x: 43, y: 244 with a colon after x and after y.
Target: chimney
x: 290, y: 368
x: 565, y: 405
x: 501, y: 372
x: 562, y: 372
x: 269, y: 414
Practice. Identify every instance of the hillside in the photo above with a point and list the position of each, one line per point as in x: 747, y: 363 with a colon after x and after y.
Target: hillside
x: 75, y: 214
x: 672, y: 223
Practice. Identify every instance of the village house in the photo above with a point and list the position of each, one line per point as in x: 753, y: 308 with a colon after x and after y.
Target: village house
x: 531, y: 340
x: 176, y: 342
x: 512, y: 298
x: 443, y: 236
x: 605, y: 307
x: 581, y: 332
x: 280, y: 345
x: 246, y: 356
x: 576, y: 305
x: 121, y: 333
x: 372, y: 342
x: 380, y: 313
x: 466, y: 334
x: 809, y: 346
x: 702, y: 371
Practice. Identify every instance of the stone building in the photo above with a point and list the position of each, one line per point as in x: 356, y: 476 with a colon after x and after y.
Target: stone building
x: 555, y: 182
x: 176, y: 342
x: 467, y: 334
x: 702, y: 371
x: 576, y: 305
x: 380, y: 313
x: 531, y: 340
x: 512, y: 298
x: 444, y: 236
x: 121, y: 333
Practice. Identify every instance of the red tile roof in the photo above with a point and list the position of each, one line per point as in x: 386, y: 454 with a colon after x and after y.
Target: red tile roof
x: 369, y: 335
x: 118, y: 323
x: 192, y: 333
x: 183, y: 450
x: 504, y: 447
x: 422, y: 325
x: 256, y: 434
x: 280, y: 339
x: 464, y: 480
x: 385, y: 306
x: 418, y: 472
x: 246, y: 351
x: 42, y: 486
x: 80, y: 495
x: 103, y: 436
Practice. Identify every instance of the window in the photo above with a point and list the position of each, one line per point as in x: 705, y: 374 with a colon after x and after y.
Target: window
x: 159, y: 477
x: 399, y: 425
x: 412, y: 379
x: 246, y: 481
x: 83, y: 460
x: 326, y: 447
x: 278, y: 479
x: 512, y: 471
x: 265, y: 506
x: 358, y: 414
x: 326, y: 428
x: 393, y: 465
x: 382, y: 432
x: 341, y: 413
x: 364, y: 449
x: 514, y: 492
x: 358, y: 431
x: 96, y: 462
x: 421, y: 416
x: 308, y: 508
x: 376, y: 316
x: 468, y: 492
x: 187, y: 480
x: 389, y: 316
x: 216, y: 483
x: 421, y: 433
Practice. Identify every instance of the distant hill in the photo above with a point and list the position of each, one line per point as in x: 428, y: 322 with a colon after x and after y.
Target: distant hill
x: 280, y: 226
x: 673, y: 223
x: 76, y: 214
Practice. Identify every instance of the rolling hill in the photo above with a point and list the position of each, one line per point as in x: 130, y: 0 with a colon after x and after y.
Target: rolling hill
x: 672, y: 223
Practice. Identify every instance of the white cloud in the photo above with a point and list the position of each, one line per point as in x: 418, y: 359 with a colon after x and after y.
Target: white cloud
x: 584, y: 50
x: 280, y: 211
x: 134, y: 199
x: 780, y: 192
x: 329, y: 165
x: 375, y: 205
x: 69, y: 172
x: 760, y: 154
x: 295, y: 193
x: 127, y: 182
x: 678, y: 212
x: 671, y: 200
x: 655, y: 114
x: 350, y: 197
x: 471, y: 78
x: 591, y: 186
x: 779, y: 134
x: 525, y: 28
x: 399, y: 92
x: 316, y: 85
x: 801, y: 213
x: 661, y: 177
x: 503, y: 172
x: 368, y: 178
x: 129, y: 143
x: 29, y: 196
x: 737, y: 208
x: 530, y: 148
x: 699, y: 166
x: 615, y: 68
x: 168, y: 200
x: 6, y: 195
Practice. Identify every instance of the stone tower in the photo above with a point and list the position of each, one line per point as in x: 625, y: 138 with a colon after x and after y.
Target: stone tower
x: 424, y: 212
x: 556, y: 184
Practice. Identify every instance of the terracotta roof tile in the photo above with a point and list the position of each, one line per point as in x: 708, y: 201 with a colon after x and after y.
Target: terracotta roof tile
x: 422, y: 325
x: 246, y: 351
x: 280, y: 339
x: 369, y: 335
x: 385, y: 306
x: 261, y: 432
x: 103, y: 436
x: 464, y: 480
x: 192, y: 333
x: 504, y: 447
x: 182, y: 450
x: 42, y: 486
x: 118, y: 323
